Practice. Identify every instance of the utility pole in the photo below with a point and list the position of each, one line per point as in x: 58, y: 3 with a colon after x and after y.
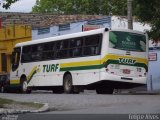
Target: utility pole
x: 130, y: 21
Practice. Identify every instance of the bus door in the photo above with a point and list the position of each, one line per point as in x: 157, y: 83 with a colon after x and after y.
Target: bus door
x: 15, y: 62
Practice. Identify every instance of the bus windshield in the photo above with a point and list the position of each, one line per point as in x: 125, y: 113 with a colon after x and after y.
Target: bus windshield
x: 127, y: 41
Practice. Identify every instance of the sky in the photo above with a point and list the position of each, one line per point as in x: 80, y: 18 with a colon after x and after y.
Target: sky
x: 20, y: 6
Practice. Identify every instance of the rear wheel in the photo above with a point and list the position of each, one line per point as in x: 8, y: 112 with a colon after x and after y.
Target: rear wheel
x: 67, y: 84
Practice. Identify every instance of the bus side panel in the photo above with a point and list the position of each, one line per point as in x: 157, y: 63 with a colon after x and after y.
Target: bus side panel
x: 50, y: 80
x: 84, y: 70
x: 45, y: 73
x: 85, y: 77
x: 105, y: 76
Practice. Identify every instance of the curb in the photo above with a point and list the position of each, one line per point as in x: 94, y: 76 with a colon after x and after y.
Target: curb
x: 145, y: 93
x: 139, y: 93
x: 4, y: 111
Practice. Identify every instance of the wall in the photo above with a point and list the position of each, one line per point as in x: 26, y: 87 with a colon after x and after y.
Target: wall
x: 154, y: 72
x: 122, y: 23
x: 74, y: 27
x: 9, y: 36
x: 54, y: 31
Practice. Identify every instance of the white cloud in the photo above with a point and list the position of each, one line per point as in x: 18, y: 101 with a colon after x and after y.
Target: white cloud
x: 20, y: 6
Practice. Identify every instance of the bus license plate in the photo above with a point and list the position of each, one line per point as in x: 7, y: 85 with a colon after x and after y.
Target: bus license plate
x: 126, y: 71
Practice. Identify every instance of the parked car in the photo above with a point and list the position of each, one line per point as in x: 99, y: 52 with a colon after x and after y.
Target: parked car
x: 4, y: 82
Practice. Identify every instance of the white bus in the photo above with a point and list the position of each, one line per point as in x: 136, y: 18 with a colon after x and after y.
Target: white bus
x: 101, y: 60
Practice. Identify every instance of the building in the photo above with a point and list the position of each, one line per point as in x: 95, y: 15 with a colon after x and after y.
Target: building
x: 111, y: 22
x: 154, y: 65
x: 48, y: 25
x: 75, y: 25
x: 9, y: 36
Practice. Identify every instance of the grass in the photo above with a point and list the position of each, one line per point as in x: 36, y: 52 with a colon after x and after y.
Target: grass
x: 4, y: 101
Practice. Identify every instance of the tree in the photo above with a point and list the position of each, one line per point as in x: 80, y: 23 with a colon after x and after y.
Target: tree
x: 148, y: 11
x: 8, y: 3
x: 104, y: 7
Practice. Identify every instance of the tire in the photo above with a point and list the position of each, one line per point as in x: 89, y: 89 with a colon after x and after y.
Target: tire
x: 2, y: 89
x: 67, y: 84
x: 24, y: 87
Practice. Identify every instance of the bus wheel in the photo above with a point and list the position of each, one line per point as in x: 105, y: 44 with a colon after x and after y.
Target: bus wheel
x: 2, y: 89
x: 67, y: 84
x: 24, y: 87
x: 104, y: 90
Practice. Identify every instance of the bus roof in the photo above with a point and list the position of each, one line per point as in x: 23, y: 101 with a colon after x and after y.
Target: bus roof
x: 61, y: 37
x: 68, y: 36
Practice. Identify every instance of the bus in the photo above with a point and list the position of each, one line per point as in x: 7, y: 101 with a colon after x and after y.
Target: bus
x: 101, y: 60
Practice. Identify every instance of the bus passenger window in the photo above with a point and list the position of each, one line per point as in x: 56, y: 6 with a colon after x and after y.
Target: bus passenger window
x: 26, y: 54
x: 77, y: 52
x: 37, y: 52
x: 87, y: 51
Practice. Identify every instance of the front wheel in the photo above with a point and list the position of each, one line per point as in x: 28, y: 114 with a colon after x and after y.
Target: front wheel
x: 24, y: 87
x: 2, y: 89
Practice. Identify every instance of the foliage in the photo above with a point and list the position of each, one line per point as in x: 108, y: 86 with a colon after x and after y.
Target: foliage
x: 104, y: 7
x: 148, y: 11
x: 8, y: 3
x: 4, y: 101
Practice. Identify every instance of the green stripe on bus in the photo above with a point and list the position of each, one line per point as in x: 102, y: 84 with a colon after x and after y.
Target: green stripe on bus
x: 89, y: 67
x: 81, y: 68
x: 14, y: 85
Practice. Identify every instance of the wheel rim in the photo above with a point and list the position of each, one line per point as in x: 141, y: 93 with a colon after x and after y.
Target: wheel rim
x: 24, y: 86
x: 68, y: 84
x: 2, y: 89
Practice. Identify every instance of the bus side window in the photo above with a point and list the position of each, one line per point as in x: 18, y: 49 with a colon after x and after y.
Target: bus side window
x: 37, y: 52
x: 76, y: 52
x: 26, y: 54
x: 87, y: 51
x: 91, y: 45
x: 62, y: 49
x: 76, y: 47
x: 48, y: 51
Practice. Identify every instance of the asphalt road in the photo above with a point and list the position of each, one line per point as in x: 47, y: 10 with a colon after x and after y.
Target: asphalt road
x: 73, y: 117
x: 92, y: 103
